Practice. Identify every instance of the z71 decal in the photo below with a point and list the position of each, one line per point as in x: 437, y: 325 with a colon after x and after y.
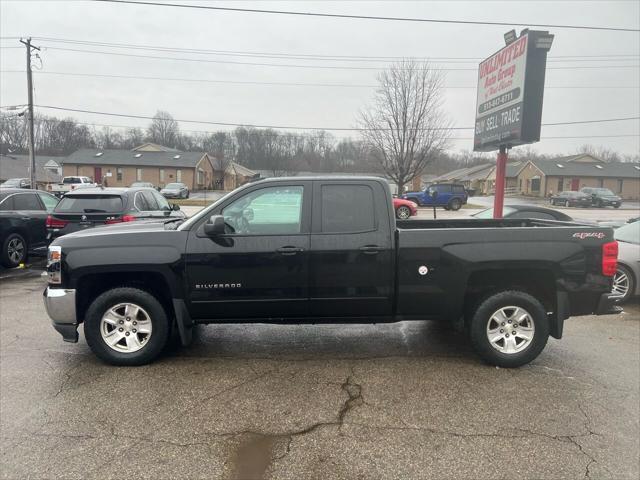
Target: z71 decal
x: 583, y: 235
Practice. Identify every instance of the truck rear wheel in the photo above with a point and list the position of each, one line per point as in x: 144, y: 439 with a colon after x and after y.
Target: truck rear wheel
x: 455, y: 204
x: 126, y: 326
x: 509, y: 329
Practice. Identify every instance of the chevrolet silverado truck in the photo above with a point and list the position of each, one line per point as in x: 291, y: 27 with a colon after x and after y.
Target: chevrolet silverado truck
x: 312, y: 250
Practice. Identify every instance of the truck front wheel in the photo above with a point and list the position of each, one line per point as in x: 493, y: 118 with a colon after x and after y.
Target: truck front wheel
x: 126, y: 326
x: 509, y: 329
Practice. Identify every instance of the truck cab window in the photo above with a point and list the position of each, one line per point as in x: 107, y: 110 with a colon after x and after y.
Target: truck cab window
x: 347, y: 209
x: 268, y: 211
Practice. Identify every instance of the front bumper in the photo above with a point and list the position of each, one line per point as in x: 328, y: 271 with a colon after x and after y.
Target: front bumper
x: 61, y: 308
x: 608, y: 305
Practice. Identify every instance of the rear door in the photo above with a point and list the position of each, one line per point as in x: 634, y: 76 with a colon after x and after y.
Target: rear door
x: 351, y: 260
x: 32, y: 212
x: 260, y: 267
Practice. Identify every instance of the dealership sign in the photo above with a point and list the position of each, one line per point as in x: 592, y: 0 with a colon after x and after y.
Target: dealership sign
x: 510, y: 91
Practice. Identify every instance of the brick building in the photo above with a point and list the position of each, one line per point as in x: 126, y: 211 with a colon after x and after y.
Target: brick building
x: 543, y: 178
x: 146, y: 163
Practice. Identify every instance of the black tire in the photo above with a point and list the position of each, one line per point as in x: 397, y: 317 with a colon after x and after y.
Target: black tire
x: 616, y: 206
x: 455, y: 204
x: 187, y: 194
x: 403, y: 212
x: 482, y: 316
x: 631, y: 282
x: 159, y: 321
x: 8, y: 255
x: 599, y: 204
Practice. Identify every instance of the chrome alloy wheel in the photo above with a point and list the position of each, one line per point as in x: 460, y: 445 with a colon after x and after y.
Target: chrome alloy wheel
x: 126, y: 327
x: 620, y: 284
x: 403, y: 212
x: 15, y: 250
x: 510, y: 330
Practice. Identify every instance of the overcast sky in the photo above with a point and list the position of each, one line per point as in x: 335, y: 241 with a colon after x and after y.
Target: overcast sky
x: 318, y: 106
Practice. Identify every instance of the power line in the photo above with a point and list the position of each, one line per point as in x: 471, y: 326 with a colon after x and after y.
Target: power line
x: 354, y: 58
x: 289, y: 65
x: 367, y: 17
x: 296, y: 84
x: 344, y: 138
x: 230, y: 124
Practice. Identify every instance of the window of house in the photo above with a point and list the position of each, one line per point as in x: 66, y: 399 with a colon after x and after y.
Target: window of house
x: 620, y: 183
x: 162, y: 175
x: 119, y: 174
x: 560, y: 184
x: 535, y: 184
x: 139, y: 174
x: 178, y: 175
x: 347, y: 209
x: 200, y: 177
x: 601, y: 182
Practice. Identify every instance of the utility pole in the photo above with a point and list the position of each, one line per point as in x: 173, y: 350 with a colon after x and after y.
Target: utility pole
x: 32, y: 153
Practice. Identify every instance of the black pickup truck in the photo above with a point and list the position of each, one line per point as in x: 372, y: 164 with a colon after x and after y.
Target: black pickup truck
x: 310, y: 250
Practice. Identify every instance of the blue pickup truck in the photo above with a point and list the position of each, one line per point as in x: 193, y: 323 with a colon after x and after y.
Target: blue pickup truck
x: 451, y: 196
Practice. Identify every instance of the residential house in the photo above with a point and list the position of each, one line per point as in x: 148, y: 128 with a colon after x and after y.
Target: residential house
x: 473, y: 178
x: 546, y: 177
x: 146, y: 163
x: 48, y: 168
x: 236, y: 175
x: 511, y: 178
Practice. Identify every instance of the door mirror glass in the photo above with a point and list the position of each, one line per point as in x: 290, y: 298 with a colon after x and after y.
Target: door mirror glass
x: 215, y: 226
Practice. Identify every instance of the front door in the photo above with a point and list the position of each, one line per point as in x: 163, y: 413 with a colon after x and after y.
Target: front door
x: 351, y: 251
x: 575, y: 184
x: 97, y: 174
x: 260, y: 267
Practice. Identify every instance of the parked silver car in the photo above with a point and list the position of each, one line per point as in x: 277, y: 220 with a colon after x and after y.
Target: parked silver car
x: 175, y: 190
x: 625, y: 281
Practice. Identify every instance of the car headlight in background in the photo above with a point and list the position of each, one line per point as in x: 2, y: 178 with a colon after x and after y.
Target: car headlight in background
x: 54, y: 259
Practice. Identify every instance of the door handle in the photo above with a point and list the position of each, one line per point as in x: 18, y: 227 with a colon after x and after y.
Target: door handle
x: 289, y: 250
x: 26, y: 218
x: 371, y: 249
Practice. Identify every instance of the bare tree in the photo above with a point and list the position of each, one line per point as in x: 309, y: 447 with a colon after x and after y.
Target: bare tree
x: 164, y: 129
x: 406, y: 127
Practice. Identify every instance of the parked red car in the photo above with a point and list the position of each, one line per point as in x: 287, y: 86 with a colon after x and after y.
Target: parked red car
x: 404, y: 208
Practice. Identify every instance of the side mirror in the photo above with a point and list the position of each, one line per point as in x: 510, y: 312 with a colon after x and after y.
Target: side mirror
x: 215, y: 226
x: 175, y: 207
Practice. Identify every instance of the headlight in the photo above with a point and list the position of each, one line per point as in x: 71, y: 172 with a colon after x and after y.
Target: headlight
x: 54, y: 258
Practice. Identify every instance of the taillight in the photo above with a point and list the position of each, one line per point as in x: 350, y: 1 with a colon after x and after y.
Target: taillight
x: 124, y: 218
x: 609, y: 258
x: 53, y: 222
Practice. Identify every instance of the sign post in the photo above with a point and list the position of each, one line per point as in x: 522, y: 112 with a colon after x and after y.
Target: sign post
x: 509, y: 101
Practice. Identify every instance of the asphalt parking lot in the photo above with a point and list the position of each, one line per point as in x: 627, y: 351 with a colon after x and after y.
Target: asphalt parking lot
x: 405, y: 400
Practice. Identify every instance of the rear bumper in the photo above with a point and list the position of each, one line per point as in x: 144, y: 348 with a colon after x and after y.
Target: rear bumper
x: 60, y: 304
x: 608, y: 305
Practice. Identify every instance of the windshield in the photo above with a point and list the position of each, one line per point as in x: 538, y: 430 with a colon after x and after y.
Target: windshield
x: 603, y: 191
x: 174, y: 185
x: 488, y: 213
x: 90, y: 204
x: 628, y: 233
